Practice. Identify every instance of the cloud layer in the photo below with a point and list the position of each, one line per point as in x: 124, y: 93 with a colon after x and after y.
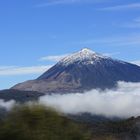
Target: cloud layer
x: 13, y: 70
x: 7, y: 105
x: 123, y: 102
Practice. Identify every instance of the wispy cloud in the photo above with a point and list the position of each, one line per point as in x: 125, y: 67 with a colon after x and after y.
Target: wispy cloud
x: 53, y: 58
x: 56, y: 58
x: 122, y: 7
x: 64, y: 2
x: 137, y: 19
x: 13, y: 70
x: 57, y: 2
x: 137, y: 62
x: 135, y: 23
x: 127, y: 40
x: 111, y: 54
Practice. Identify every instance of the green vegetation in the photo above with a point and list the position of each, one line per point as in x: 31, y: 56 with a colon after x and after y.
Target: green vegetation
x: 126, y: 129
x: 35, y: 122
x: 38, y: 123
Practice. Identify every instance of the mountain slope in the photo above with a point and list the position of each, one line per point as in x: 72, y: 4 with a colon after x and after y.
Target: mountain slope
x: 83, y: 71
x: 19, y: 96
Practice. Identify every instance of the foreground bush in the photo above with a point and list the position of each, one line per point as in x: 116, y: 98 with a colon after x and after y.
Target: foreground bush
x: 38, y: 123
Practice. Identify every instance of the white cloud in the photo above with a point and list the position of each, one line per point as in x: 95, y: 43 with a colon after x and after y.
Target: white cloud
x: 135, y: 23
x: 111, y: 54
x: 137, y: 62
x: 62, y: 2
x: 122, y: 102
x: 13, y: 70
x: 53, y: 58
x: 133, y: 39
x: 7, y: 104
x: 122, y: 7
x: 131, y: 25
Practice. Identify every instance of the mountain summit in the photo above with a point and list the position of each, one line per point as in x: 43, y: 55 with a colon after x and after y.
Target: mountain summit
x: 82, y: 71
x: 85, y: 56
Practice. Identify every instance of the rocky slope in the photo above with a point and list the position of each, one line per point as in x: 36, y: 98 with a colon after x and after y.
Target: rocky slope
x: 19, y: 96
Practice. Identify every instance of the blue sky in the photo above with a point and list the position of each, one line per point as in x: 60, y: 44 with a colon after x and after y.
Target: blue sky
x: 34, y: 33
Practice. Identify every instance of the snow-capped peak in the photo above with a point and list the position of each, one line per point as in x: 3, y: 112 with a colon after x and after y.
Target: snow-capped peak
x: 85, y: 56
x: 87, y: 51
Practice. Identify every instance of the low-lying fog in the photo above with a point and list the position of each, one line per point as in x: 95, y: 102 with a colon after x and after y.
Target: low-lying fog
x: 122, y: 102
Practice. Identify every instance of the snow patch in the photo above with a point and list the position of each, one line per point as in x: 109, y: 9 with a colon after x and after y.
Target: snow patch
x: 85, y: 56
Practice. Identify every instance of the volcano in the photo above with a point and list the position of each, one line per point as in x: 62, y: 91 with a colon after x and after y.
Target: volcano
x: 82, y: 71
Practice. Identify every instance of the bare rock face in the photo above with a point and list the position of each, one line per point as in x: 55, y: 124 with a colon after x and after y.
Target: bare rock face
x: 82, y: 71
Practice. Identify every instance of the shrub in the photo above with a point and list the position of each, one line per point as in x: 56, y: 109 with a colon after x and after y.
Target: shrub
x: 39, y: 123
